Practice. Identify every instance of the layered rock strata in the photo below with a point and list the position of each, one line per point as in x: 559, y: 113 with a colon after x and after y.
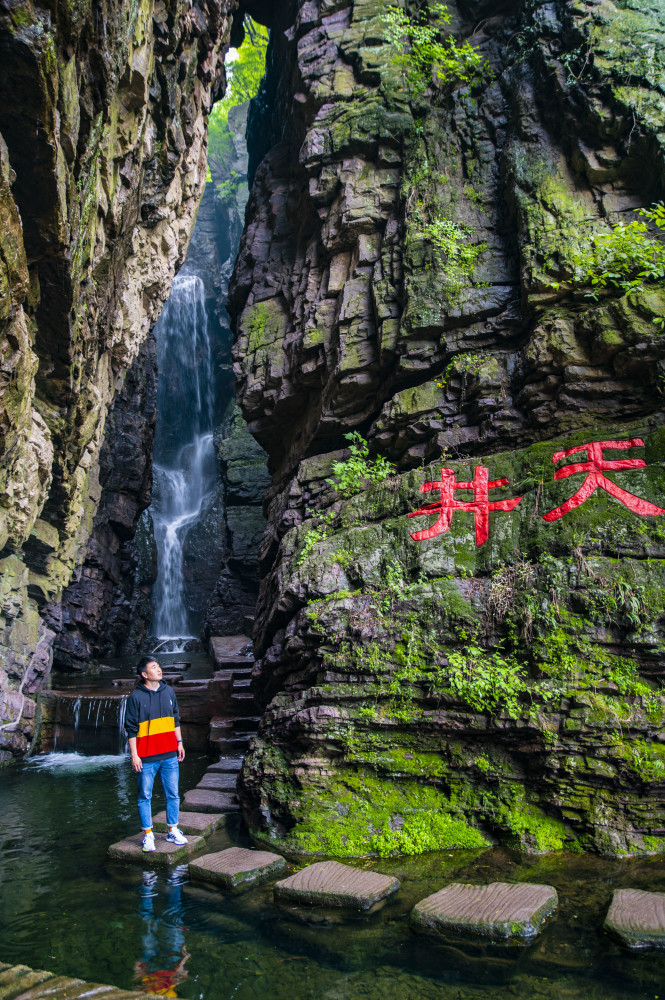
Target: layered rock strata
x: 454, y: 690
x: 102, y: 164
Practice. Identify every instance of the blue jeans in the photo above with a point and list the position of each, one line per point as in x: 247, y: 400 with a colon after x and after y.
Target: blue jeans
x: 169, y: 772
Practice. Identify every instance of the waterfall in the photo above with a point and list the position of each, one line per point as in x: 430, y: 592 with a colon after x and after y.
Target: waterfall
x: 90, y: 723
x: 184, y: 457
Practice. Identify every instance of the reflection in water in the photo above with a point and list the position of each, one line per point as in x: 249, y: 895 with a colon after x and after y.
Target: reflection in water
x: 65, y: 907
x: 162, y: 965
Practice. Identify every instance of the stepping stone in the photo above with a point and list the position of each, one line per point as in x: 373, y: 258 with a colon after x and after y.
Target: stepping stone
x: 237, y: 868
x: 34, y: 984
x: 166, y: 854
x: 201, y: 824
x: 637, y: 918
x: 497, y: 910
x: 330, y: 883
x: 221, y: 782
x: 207, y: 800
x: 226, y: 765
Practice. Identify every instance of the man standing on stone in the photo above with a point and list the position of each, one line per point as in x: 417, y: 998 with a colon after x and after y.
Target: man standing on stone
x: 152, y: 722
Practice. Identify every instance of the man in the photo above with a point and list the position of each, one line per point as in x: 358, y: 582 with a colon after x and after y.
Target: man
x: 152, y: 722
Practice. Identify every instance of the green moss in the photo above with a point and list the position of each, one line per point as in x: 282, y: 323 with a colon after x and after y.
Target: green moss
x: 359, y: 814
x: 533, y: 829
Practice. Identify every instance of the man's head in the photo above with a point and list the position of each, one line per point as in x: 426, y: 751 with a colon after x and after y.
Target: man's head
x: 149, y: 669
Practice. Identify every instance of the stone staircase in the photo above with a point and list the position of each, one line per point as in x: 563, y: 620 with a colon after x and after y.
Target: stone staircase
x: 230, y: 732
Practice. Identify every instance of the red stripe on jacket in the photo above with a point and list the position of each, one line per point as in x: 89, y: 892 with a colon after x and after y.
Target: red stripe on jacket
x: 148, y: 746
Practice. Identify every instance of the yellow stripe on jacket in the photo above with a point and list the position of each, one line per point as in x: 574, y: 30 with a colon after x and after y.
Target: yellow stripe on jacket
x: 153, y: 727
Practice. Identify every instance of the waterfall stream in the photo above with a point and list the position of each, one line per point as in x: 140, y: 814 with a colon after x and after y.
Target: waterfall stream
x: 90, y: 723
x: 184, y: 456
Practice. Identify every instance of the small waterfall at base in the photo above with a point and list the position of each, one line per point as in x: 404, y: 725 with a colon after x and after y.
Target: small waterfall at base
x: 184, y: 457
x: 90, y: 723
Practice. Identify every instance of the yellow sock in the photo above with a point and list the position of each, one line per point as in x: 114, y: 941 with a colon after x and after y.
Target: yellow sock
x: 149, y: 830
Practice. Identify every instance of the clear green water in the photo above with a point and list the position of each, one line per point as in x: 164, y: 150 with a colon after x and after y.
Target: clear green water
x: 66, y: 908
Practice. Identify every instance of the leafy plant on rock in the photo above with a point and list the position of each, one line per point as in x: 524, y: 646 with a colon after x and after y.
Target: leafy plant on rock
x: 626, y: 258
x: 359, y: 471
x: 420, y: 53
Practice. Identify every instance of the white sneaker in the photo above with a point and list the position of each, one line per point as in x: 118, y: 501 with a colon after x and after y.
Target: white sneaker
x: 149, y: 843
x: 176, y: 836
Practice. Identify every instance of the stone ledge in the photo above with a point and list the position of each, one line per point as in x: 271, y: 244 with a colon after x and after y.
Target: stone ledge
x: 637, y: 918
x: 33, y: 984
x: 219, y: 782
x: 329, y: 883
x: 236, y: 867
x: 498, y: 910
x: 210, y: 801
x: 201, y: 824
x: 129, y: 849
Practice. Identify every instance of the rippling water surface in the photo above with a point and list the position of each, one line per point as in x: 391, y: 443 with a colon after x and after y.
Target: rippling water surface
x: 66, y: 908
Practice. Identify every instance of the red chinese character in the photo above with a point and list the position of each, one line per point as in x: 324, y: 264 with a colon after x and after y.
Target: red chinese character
x: 597, y: 481
x: 480, y: 506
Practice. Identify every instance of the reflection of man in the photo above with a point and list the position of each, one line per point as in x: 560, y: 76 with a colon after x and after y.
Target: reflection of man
x: 155, y: 742
x: 163, y: 938
x: 162, y: 981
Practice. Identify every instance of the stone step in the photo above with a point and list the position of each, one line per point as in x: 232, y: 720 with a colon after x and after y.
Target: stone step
x: 243, y: 701
x: 500, y: 910
x: 220, y: 782
x: 208, y: 800
x: 637, y: 918
x: 226, y: 765
x: 129, y: 849
x: 231, y: 745
x: 237, y: 868
x: 196, y: 823
x: 329, y: 883
x: 227, y: 651
x: 241, y: 684
x: 35, y: 984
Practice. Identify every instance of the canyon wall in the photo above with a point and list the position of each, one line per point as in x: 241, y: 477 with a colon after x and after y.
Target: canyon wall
x: 102, y: 165
x: 499, y: 679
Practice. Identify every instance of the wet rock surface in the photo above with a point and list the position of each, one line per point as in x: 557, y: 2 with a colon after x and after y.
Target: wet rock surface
x: 102, y: 165
x: 329, y: 883
x: 237, y: 868
x: 498, y: 910
x: 637, y: 918
x: 377, y: 655
x: 130, y: 849
x: 19, y: 980
x: 198, y: 824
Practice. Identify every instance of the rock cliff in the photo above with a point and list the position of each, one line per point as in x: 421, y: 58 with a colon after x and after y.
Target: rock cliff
x: 102, y: 165
x: 410, y: 270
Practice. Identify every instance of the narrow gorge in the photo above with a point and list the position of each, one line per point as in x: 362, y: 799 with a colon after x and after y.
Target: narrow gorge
x: 420, y: 460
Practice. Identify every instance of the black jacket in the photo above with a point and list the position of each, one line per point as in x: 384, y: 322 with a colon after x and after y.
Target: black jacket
x: 152, y: 717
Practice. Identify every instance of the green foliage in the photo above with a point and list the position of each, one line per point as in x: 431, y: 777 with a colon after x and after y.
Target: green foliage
x: 246, y: 73
x: 358, y: 471
x: 361, y: 814
x: 626, y: 258
x: 318, y: 533
x: 422, y: 56
x: 464, y: 365
x: 488, y: 682
x: 453, y: 248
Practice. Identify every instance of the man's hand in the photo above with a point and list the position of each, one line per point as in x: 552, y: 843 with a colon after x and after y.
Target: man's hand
x: 137, y: 763
x: 181, y: 753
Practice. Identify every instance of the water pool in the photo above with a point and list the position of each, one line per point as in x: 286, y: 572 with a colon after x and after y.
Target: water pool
x: 67, y: 908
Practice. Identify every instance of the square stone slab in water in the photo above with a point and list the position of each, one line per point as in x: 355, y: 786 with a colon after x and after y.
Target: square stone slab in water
x: 166, y: 854
x: 226, y: 765
x: 329, y: 883
x: 208, y: 800
x: 236, y: 867
x: 497, y: 910
x: 637, y: 918
x: 219, y: 782
x: 202, y: 824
